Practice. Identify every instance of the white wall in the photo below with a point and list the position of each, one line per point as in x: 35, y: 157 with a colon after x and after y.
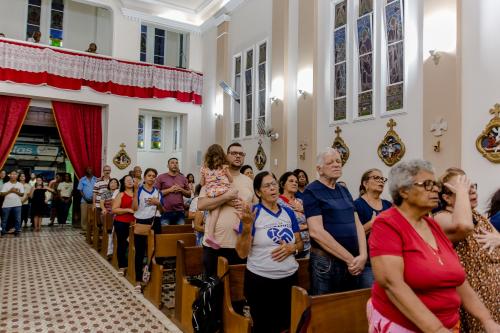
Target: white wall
x: 364, y: 137
x: 479, y: 91
x: 82, y: 24
x: 245, y: 32
x: 13, y: 15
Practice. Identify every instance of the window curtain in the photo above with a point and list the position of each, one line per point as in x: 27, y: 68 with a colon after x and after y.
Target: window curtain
x: 80, y: 128
x: 13, y: 111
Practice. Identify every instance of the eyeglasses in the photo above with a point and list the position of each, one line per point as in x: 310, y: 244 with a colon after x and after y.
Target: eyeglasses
x: 269, y: 185
x: 429, y: 184
x: 107, y: 170
x: 237, y: 153
x: 379, y: 178
x: 473, y: 187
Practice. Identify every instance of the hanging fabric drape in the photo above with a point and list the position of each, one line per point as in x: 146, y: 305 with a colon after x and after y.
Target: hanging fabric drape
x: 80, y: 128
x: 13, y: 111
x: 28, y: 63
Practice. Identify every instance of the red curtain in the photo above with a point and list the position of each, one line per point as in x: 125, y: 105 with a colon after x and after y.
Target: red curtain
x: 80, y: 128
x: 13, y: 111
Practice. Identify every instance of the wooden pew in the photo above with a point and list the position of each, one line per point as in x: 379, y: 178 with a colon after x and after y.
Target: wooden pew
x: 164, y: 245
x: 97, y: 231
x: 234, y: 292
x: 114, y: 258
x: 108, y: 226
x: 166, y: 229
x: 189, y: 263
x: 339, y: 312
x: 90, y: 224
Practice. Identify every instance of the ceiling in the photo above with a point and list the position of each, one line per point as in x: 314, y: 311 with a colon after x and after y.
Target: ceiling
x: 188, y: 13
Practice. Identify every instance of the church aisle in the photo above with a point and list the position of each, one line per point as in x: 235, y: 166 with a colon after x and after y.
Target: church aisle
x: 53, y: 281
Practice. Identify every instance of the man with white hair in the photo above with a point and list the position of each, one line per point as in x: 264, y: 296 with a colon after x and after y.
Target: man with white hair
x: 338, y: 243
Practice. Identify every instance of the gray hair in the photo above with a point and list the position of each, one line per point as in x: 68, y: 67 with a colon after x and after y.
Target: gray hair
x: 401, y: 176
x: 320, y: 159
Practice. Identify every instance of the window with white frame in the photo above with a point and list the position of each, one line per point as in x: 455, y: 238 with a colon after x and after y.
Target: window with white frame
x: 357, y: 55
x: 394, y: 32
x: 144, y: 39
x: 250, y: 80
x: 249, y: 87
x: 141, y: 132
x: 340, y: 45
x: 261, y: 88
x: 177, y: 131
x: 236, y: 104
x: 364, y: 30
x: 56, y: 22
x: 33, y: 19
x: 150, y: 132
x: 163, y: 46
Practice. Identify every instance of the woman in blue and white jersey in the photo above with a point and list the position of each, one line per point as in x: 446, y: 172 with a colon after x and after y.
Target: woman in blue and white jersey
x: 148, y: 208
x: 270, y: 239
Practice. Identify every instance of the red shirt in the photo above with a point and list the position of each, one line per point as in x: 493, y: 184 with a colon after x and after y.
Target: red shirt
x: 126, y: 202
x: 435, y: 284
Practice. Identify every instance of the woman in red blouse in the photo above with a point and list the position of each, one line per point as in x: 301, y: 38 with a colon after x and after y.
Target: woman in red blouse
x: 124, y: 215
x: 420, y: 283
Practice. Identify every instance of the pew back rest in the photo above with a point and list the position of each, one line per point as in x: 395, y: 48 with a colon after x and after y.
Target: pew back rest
x: 177, y: 229
x: 165, y: 245
x: 339, y: 312
x: 189, y: 259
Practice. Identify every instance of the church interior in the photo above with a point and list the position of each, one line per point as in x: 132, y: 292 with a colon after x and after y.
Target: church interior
x: 157, y: 151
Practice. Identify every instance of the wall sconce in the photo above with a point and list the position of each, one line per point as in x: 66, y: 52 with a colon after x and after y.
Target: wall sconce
x: 301, y: 93
x: 218, y: 115
x: 272, y: 134
x: 274, y: 99
x: 435, y: 55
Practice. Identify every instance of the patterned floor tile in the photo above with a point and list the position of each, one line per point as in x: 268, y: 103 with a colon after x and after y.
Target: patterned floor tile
x: 52, y: 281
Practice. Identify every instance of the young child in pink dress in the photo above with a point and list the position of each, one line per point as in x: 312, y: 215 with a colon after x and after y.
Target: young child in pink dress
x: 217, y: 179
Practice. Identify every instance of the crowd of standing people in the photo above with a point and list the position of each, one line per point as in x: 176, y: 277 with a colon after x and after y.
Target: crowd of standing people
x: 431, y: 259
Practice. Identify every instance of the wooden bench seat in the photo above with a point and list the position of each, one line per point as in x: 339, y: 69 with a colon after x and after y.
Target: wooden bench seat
x: 163, y: 245
x: 234, y: 292
x: 189, y: 263
x: 339, y: 312
x: 166, y: 229
x: 108, y: 226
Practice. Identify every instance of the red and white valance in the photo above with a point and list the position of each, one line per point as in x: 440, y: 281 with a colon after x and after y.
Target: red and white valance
x: 42, y: 65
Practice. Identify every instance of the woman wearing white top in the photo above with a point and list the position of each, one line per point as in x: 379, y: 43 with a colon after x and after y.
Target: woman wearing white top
x: 269, y: 237
x: 148, y: 210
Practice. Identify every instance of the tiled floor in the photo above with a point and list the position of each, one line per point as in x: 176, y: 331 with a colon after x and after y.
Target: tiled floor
x: 52, y: 281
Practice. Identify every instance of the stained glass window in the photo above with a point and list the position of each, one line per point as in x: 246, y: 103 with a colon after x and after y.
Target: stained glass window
x: 394, y: 28
x: 56, y: 22
x: 249, y: 93
x: 261, y: 89
x: 33, y: 20
x: 159, y: 48
x: 236, y: 104
x: 339, y: 61
x: 144, y: 40
x: 156, y: 132
x: 140, y: 132
x: 364, y: 31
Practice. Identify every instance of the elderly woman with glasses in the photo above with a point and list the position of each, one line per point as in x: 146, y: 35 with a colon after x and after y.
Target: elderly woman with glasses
x: 420, y: 282
x: 468, y: 229
x: 368, y: 206
x: 270, y: 238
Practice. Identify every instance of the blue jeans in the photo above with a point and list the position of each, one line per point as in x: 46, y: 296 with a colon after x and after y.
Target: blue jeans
x: 172, y: 218
x: 6, y: 213
x: 330, y: 275
x: 366, y: 277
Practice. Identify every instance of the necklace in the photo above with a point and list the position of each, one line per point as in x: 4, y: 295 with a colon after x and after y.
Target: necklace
x: 438, y: 257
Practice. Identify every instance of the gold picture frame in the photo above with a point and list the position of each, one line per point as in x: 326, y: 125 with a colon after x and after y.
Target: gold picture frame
x: 392, y: 149
x: 340, y: 145
x: 488, y: 142
x: 260, y: 157
x: 121, y: 159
